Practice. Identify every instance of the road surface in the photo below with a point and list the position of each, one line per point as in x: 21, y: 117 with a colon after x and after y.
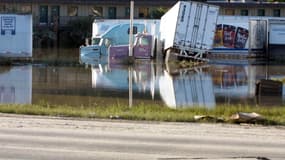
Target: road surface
x: 53, y: 138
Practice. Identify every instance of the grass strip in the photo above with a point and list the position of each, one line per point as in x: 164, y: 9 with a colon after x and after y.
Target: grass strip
x: 222, y: 113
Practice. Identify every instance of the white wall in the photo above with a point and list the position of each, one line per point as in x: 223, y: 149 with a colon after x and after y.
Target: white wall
x: 16, y: 35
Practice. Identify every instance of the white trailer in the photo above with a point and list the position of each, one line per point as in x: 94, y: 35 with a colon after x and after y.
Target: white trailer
x: 276, y: 38
x: 188, y: 28
x: 240, y: 34
x: 257, y: 35
x: 16, y: 35
x: 276, y: 31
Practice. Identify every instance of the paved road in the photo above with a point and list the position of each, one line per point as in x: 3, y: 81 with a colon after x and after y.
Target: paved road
x: 51, y: 138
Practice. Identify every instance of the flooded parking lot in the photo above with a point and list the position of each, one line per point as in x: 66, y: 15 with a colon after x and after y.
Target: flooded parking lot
x: 151, y: 82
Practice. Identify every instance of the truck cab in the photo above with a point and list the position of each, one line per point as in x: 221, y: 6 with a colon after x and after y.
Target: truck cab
x: 142, y: 49
x: 116, y: 35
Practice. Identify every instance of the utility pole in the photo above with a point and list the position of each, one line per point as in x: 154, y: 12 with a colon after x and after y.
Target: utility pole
x: 131, y: 54
x: 131, y: 29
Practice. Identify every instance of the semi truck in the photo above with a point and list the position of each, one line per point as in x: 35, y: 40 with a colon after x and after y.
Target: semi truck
x: 106, y: 33
x: 115, y: 35
x: 142, y: 49
x: 188, y: 29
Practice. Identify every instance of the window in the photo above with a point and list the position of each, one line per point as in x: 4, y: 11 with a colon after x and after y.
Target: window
x: 260, y: 12
x: 11, y: 8
x: 143, y: 41
x: 135, y: 30
x: 97, y: 11
x: 229, y: 12
x: 55, y: 10
x: 26, y: 9
x: 276, y: 12
x: 72, y: 11
x: 96, y: 41
x: 107, y: 42
x: 244, y: 12
x: 43, y: 14
x: 127, y: 12
x: 112, y: 12
x: 143, y: 12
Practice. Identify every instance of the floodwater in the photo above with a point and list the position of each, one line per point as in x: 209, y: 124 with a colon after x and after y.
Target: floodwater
x: 147, y: 82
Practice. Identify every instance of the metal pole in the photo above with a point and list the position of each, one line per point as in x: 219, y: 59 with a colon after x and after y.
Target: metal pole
x: 131, y: 54
x: 131, y: 28
x: 130, y: 86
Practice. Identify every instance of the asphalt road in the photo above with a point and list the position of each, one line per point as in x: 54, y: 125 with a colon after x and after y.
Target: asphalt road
x: 52, y: 138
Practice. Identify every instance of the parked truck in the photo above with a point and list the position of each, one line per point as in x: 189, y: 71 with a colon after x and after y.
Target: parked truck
x: 106, y: 33
x: 142, y: 49
x: 115, y: 35
x: 188, y: 29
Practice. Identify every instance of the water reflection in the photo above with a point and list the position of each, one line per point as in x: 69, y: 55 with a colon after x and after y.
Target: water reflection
x: 16, y: 84
x: 116, y: 77
x: 93, y: 85
x: 187, y: 89
x: 108, y: 84
x: 233, y: 81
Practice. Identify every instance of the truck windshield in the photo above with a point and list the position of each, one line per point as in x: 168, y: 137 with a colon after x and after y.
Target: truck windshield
x: 96, y: 41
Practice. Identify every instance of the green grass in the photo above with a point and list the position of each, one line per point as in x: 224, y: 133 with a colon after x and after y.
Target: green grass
x: 272, y: 115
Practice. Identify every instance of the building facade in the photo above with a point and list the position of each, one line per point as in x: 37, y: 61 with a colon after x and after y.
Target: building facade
x: 250, y: 8
x: 49, y: 12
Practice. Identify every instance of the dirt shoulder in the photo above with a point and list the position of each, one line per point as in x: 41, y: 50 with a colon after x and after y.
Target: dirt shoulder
x: 27, y: 121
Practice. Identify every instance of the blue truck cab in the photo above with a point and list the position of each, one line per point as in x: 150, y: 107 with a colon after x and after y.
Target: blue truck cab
x: 115, y: 35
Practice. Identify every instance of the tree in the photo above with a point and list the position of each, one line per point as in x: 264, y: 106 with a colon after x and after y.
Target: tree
x: 158, y: 12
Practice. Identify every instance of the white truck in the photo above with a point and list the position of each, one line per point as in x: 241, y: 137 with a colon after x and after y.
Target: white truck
x: 16, y: 35
x: 106, y: 33
x: 188, y: 29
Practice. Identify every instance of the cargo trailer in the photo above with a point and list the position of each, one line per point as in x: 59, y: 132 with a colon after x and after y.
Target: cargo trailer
x: 240, y: 35
x: 276, y: 38
x: 276, y: 31
x: 188, y: 29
